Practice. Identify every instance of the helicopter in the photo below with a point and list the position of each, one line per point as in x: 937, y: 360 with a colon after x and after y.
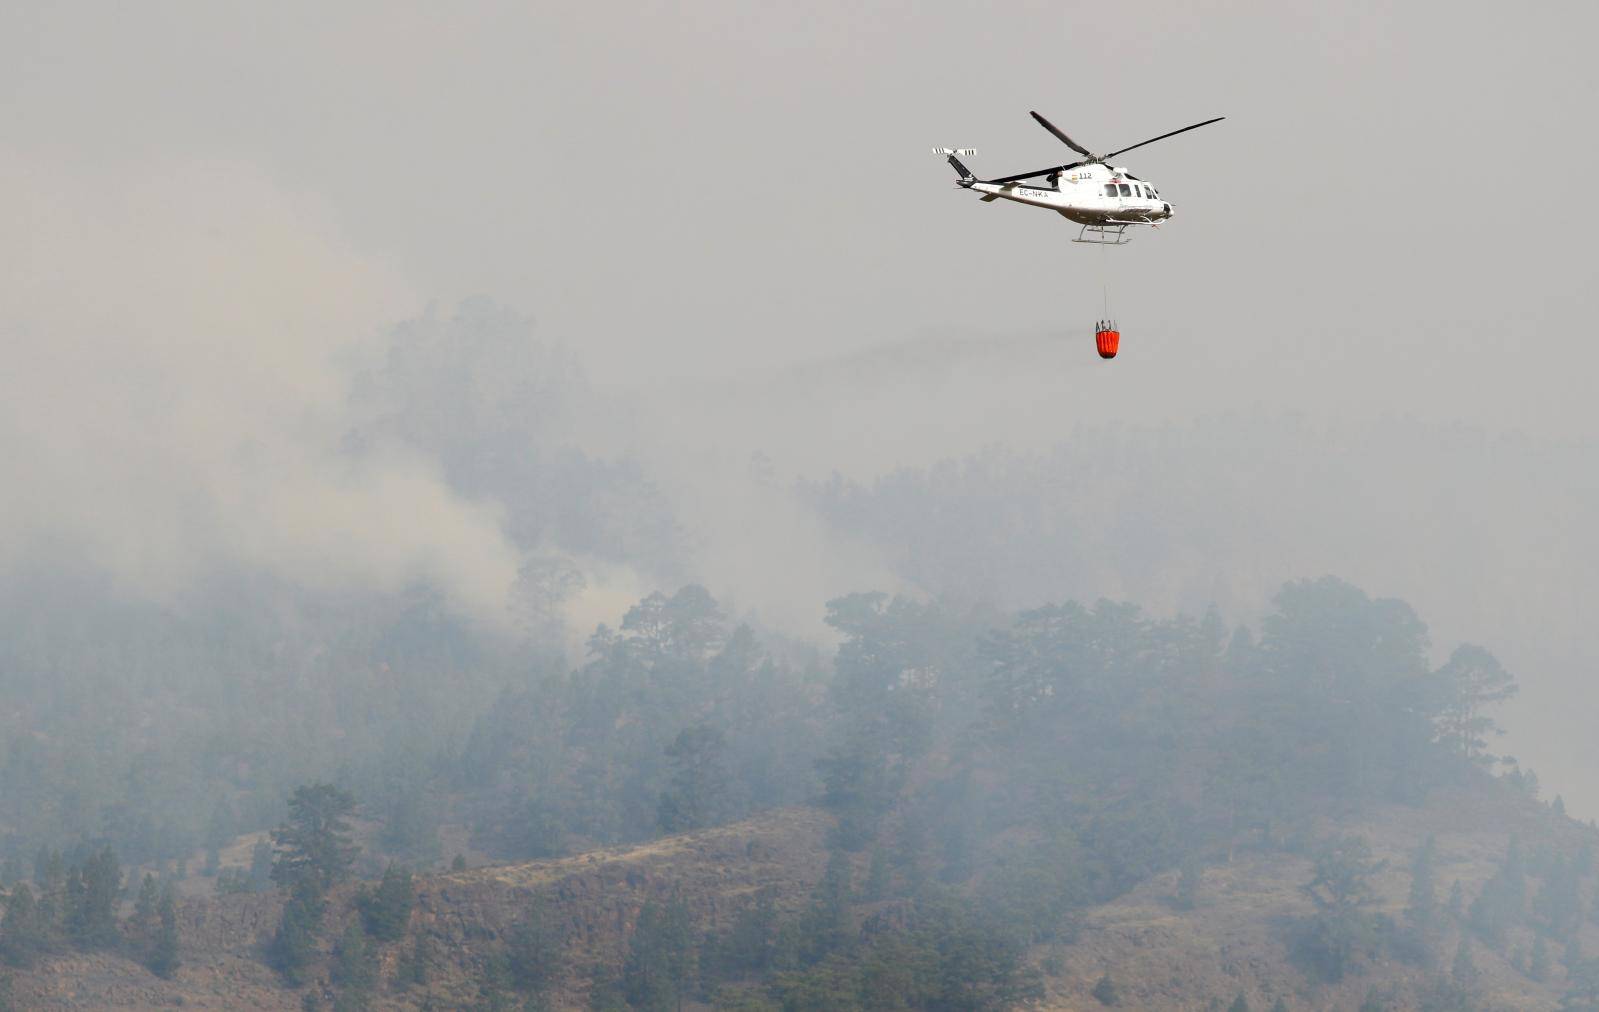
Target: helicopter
x: 1104, y: 199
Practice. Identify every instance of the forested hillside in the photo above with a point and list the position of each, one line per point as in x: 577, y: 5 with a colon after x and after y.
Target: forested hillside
x: 949, y: 794
x: 989, y: 780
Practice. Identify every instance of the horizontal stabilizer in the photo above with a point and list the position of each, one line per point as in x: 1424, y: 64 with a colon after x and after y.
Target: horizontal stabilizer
x: 962, y: 152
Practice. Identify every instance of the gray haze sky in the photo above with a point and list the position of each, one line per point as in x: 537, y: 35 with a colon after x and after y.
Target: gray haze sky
x: 1389, y: 219
x: 203, y: 202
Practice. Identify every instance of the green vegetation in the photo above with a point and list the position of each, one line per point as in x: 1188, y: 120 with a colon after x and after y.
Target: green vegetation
x: 1106, y: 992
x: 163, y: 958
x: 660, y: 961
x: 992, y: 777
x: 294, y: 943
x: 696, y: 795
x: 354, y: 963
x: 1343, y: 930
x: 25, y: 932
x: 92, y: 889
x: 386, y: 909
x: 315, y: 844
x: 533, y: 953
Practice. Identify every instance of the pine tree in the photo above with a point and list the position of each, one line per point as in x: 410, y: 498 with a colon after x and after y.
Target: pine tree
x: 295, y: 940
x: 659, y: 967
x: 415, y: 966
x: 92, y: 892
x: 24, y: 934
x: 1343, y: 928
x: 146, y: 921
x: 747, y: 947
x: 1422, y: 907
x: 354, y: 966
x: 1240, y: 1004
x: 163, y: 958
x: 386, y: 910
x: 149, y: 900
x: 697, y: 796
x: 1472, y: 680
x: 825, y: 925
x: 316, y: 840
x: 1280, y: 1005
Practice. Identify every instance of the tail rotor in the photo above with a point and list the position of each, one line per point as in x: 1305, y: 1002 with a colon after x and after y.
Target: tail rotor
x: 954, y: 155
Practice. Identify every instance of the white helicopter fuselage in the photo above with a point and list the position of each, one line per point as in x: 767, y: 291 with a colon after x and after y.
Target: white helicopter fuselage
x: 1089, y: 195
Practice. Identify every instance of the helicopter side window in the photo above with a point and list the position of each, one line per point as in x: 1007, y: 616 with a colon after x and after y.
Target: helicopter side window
x: 1127, y: 191
x: 1110, y: 189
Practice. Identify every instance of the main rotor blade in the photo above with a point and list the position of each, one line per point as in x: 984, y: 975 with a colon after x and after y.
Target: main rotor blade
x: 1031, y: 175
x: 1162, y: 137
x: 1052, y: 128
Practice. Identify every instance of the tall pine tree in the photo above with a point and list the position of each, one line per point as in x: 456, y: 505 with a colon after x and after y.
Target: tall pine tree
x: 316, y: 840
x: 163, y: 956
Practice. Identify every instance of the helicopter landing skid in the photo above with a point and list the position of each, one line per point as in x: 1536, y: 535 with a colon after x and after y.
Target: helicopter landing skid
x: 1109, y: 234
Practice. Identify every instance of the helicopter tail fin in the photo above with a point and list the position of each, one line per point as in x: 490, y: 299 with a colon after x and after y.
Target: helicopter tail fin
x: 965, y: 174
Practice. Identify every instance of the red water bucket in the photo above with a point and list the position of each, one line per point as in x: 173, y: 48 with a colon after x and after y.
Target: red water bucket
x: 1107, y: 341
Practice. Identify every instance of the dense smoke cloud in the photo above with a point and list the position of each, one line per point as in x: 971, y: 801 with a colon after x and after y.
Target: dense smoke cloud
x: 173, y: 404
x: 966, y: 463
x: 208, y: 376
